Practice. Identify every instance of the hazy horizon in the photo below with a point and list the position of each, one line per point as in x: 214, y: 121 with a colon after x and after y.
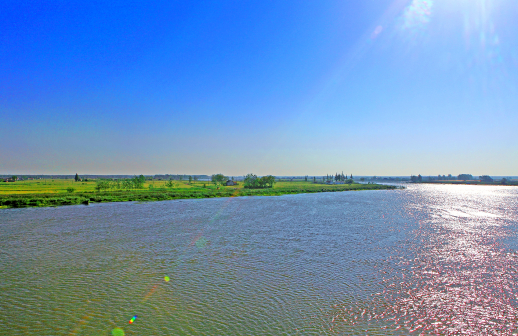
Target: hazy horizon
x: 280, y: 176
x: 378, y: 87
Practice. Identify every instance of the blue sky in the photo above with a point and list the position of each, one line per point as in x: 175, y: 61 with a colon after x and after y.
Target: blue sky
x: 371, y: 87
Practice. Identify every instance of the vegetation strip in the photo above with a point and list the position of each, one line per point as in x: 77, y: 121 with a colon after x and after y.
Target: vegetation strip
x: 162, y: 194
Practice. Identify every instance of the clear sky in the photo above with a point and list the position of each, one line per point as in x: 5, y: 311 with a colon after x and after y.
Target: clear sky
x: 370, y: 87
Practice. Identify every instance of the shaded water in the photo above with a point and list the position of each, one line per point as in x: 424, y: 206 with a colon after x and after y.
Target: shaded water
x: 430, y: 259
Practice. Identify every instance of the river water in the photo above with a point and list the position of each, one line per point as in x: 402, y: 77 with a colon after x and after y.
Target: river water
x: 430, y: 259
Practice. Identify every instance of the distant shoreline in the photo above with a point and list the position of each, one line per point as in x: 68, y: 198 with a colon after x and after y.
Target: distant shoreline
x: 468, y: 182
x: 59, y: 199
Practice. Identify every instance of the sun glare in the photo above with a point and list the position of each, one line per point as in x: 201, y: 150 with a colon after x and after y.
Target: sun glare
x: 417, y: 14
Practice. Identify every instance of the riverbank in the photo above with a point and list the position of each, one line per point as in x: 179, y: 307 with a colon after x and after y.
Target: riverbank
x: 162, y: 194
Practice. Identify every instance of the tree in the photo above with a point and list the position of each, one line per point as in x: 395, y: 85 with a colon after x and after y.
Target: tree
x: 306, y: 178
x: 138, y: 181
x: 250, y: 181
x: 267, y: 181
x: 70, y: 189
x: 270, y: 180
x: 14, y: 177
x: 190, y: 179
x: 218, y: 178
x: 263, y: 182
x: 314, y: 179
x: 101, y: 185
x: 465, y: 177
x: 76, y: 178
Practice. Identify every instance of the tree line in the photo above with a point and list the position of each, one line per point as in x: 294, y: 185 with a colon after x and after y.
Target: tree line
x: 338, y: 177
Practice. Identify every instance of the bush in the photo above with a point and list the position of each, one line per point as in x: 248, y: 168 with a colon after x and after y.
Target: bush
x: 19, y: 203
x: 70, y: 189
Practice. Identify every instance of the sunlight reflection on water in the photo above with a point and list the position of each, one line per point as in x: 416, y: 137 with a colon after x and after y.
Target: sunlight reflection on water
x: 461, y: 279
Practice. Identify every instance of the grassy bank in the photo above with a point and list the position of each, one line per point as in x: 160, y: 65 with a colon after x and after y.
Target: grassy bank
x: 40, y: 198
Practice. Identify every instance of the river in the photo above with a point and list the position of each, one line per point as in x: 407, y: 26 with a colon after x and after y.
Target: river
x: 429, y: 259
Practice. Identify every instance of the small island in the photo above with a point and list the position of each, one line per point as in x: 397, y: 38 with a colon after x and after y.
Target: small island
x: 44, y: 191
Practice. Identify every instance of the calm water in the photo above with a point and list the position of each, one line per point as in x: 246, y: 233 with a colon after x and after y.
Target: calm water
x: 429, y: 259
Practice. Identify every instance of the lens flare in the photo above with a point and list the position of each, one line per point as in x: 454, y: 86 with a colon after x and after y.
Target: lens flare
x: 133, y: 319
x: 117, y: 332
x: 417, y: 14
x: 376, y: 32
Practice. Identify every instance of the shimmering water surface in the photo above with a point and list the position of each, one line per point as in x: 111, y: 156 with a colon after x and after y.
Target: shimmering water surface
x: 430, y: 259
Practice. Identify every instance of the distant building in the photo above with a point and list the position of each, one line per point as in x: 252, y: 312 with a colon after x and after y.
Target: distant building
x: 465, y: 177
x: 230, y: 183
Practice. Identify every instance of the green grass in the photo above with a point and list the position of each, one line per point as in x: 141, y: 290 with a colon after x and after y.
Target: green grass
x: 55, y: 193
x: 60, y: 186
x: 44, y: 186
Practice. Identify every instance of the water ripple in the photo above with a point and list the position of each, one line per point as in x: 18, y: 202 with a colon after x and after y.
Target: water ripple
x: 425, y: 260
